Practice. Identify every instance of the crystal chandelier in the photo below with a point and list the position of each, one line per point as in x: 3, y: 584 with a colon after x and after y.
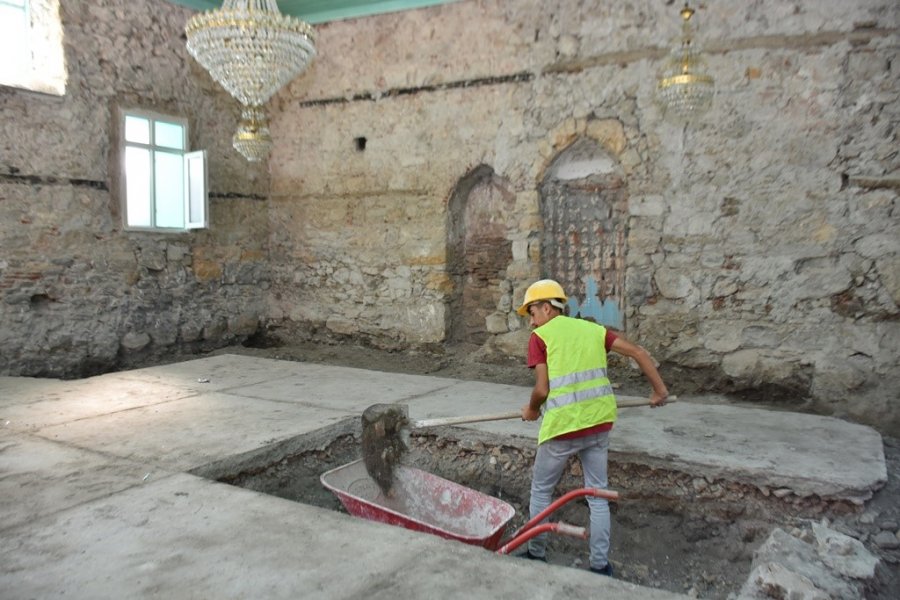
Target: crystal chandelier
x: 252, y: 138
x: 684, y: 90
x: 251, y: 50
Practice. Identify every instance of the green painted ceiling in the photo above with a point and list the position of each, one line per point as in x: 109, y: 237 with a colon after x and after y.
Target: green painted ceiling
x: 321, y: 11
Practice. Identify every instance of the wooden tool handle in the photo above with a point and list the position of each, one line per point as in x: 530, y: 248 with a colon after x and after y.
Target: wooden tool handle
x: 471, y: 419
x: 641, y: 402
x: 510, y: 415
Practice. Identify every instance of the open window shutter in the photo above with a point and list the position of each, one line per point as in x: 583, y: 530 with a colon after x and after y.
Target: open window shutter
x: 196, y: 206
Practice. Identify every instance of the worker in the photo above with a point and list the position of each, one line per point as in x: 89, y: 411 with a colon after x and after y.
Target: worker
x: 574, y: 393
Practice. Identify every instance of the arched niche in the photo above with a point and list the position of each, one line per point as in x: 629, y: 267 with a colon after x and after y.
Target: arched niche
x: 583, y: 200
x: 478, y: 251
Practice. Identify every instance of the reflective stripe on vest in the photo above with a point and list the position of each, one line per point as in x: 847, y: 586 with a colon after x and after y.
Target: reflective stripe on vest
x: 578, y: 396
x: 581, y: 395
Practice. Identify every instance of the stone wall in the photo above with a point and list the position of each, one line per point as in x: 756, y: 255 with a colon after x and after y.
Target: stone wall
x: 756, y: 250
x: 760, y: 245
x: 77, y: 293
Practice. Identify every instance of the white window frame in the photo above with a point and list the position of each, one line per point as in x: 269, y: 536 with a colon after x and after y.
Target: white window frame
x: 43, y: 68
x: 195, y: 179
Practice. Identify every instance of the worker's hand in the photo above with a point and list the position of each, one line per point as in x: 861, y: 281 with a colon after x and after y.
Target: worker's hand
x: 657, y: 399
x: 528, y: 414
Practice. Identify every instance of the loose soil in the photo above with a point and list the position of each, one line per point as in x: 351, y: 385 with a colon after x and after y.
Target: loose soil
x: 654, y: 543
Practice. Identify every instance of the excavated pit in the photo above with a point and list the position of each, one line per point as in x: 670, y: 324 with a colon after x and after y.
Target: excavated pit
x: 670, y: 530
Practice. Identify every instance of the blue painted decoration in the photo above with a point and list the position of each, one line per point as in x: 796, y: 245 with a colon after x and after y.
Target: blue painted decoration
x: 606, y: 312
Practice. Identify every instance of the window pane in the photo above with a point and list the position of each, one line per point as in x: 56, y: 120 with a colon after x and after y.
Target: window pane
x: 168, y: 135
x: 137, y: 186
x: 196, y: 186
x: 137, y: 129
x: 169, y: 187
x: 13, y: 43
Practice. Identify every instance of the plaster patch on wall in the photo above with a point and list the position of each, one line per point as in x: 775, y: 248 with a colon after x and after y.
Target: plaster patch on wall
x: 581, y: 169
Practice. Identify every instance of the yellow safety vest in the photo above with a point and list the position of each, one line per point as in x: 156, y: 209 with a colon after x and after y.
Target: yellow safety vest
x: 581, y: 395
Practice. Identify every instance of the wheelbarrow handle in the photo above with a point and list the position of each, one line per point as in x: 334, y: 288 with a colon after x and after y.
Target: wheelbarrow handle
x: 563, y: 500
x: 560, y: 527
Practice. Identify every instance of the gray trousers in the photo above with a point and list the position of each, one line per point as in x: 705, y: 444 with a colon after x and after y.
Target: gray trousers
x: 549, y: 463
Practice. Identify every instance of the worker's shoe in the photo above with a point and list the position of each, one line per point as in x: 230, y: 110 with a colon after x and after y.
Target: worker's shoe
x: 527, y: 554
x: 607, y: 570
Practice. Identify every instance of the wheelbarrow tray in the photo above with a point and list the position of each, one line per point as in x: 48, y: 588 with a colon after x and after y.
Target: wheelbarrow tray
x: 421, y: 501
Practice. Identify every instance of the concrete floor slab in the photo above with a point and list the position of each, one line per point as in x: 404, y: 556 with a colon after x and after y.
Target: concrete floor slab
x: 808, y: 454
x: 215, y: 373
x: 20, y: 390
x: 184, y: 434
x: 78, y: 525
x: 343, y: 387
x: 65, y: 402
x: 185, y: 537
x: 51, y: 477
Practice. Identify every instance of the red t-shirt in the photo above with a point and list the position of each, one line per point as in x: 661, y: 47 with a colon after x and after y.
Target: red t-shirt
x: 537, y: 355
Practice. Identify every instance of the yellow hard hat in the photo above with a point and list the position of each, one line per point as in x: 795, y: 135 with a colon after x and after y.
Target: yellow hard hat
x: 545, y: 289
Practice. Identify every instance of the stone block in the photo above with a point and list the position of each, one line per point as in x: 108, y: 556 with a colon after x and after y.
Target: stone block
x: 609, y: 133
x: 153, y: 259
x: 722, y: 336
x: 341, y: 325
x: 878, y: 245
x: 133, y: 341
x: 643, y: 236
x: 818, y: 278
x: 843, y: 553
x: 512, y: 344
x: 243, y: 324
x: 724, y: 286
x: 889, y: 272
x: 207, y: 270
x: 496, y: 323
x: 215, y: 330
x: 673, y: 284
x: 759, y: 365
x: 520, y: 271
x: 646, y: 206
x: 164, y: 333
x: 253, y: 254
x: 638, y: 288
x: 743, y: 363
x: 788, y: 567
x: 439, y: 282
x: 520, y: 250
x: 176, y: 252
x: 190, y: 331
x: 528, y: 202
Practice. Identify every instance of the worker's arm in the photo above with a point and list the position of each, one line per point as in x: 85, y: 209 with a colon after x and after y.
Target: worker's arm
x: 532, y: 410
x: 645, y: 362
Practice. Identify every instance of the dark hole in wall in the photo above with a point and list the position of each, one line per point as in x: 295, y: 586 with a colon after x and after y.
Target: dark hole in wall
x: 360, y: 143
x: 40, y: 301
x: 262, y: 339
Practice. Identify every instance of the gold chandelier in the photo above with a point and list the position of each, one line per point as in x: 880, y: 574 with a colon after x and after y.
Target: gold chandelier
x: 251, y: 50
x: 252, y: 138
x: 684, y: 89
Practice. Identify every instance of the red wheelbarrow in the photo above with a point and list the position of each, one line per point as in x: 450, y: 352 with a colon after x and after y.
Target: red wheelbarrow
x: 425, y: 502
